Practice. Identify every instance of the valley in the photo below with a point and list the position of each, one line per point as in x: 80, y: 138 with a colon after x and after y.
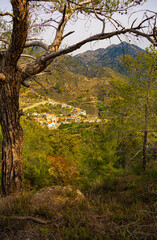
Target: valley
x: 78, y: 130
x: 77, y: 82
x: 83, y: 175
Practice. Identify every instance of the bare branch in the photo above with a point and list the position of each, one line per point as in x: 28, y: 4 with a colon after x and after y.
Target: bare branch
x: 40, y: 84
x: 37, y: 44
x: 34, y: 39
x: 25, y: 84
x: 46, y: 23
x: 4, y: 40
x: 133, y: 23
x: 84, y: 2
x: 67, y: 34
x: 59, y: 33
x: 28, y: 56
x: 42, y: 62
x: 100, y: 36
x: 40, y: 0
x: 102, y: 20
x: 7, y: 14
x: 26, y: 218
x: 145, y: 20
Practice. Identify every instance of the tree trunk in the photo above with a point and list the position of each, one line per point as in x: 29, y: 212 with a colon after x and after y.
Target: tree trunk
x: 12, y: 135
x: 144, y: 161
x: 146, y: 119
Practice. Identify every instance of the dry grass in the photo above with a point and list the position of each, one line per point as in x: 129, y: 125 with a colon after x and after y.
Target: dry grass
x: 123, y: 209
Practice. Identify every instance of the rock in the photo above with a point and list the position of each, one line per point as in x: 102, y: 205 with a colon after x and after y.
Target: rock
x: 80, y: 195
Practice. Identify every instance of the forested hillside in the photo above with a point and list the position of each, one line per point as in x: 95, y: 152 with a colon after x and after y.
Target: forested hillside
x: 86, y: 179
x: 83, y: 80
x: 124, y: 106
x: 109, y: 57
x: 78, y: 133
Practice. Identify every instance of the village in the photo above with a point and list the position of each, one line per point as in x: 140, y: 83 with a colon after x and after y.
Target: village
x: 53, y: 121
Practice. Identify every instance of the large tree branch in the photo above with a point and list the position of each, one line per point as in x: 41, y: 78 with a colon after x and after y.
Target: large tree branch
x: 67, y: 11
x: 42, y: 62
x: 100, y: 36
x: 59, y: 33
x: 19, y: 32
x: 38, y: 66
x: 31, y: 43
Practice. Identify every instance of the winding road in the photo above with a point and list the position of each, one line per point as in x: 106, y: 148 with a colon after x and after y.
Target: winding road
x: 35, y: 105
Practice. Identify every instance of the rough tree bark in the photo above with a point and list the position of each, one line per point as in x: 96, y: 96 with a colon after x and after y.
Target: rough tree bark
x: 12, y: 134
x: 10, y: 83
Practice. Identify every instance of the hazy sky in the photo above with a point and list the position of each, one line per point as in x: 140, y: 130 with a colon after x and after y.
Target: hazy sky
x: 84, y: 28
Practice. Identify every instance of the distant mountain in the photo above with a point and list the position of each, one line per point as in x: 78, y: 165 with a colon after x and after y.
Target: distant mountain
x: 108, y: 57
x: 63, y: 85
x: 82, y: 81
x: 90, y: 71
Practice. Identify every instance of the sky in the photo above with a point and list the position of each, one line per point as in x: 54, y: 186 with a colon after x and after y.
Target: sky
x: 84, y: 28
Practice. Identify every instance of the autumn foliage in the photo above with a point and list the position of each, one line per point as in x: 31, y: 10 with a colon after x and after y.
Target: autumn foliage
x: 62, y: 170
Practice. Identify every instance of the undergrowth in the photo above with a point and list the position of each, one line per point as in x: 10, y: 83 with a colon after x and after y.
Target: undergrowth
x: 119, y: 208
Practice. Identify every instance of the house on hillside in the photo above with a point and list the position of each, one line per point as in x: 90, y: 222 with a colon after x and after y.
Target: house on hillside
x: 35, y: 114
x: 83, y: 112
x: 69, y: 106
x: 52, y: 124
x: 52, y: 117
x: 78, y: 111
x: 63, y: 105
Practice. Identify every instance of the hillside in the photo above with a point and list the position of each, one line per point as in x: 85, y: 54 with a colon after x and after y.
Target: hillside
x: 109, y: 57
x: 81, y: 81
x: 83, y: 175
x: 65, y: 86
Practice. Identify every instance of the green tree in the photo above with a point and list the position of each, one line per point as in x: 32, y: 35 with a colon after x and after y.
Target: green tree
x: 26, y: 25
x: 133, y: 101
x: 143, y: 71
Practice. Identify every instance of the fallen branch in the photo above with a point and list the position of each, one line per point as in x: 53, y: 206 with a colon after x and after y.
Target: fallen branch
x: 26, y: 218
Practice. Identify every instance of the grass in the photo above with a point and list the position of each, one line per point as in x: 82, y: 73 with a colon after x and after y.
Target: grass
x: 119, y: 208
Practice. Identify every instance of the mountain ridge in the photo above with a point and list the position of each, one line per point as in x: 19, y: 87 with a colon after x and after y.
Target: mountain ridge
x: 82, y: 85
x: 109, y: 57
